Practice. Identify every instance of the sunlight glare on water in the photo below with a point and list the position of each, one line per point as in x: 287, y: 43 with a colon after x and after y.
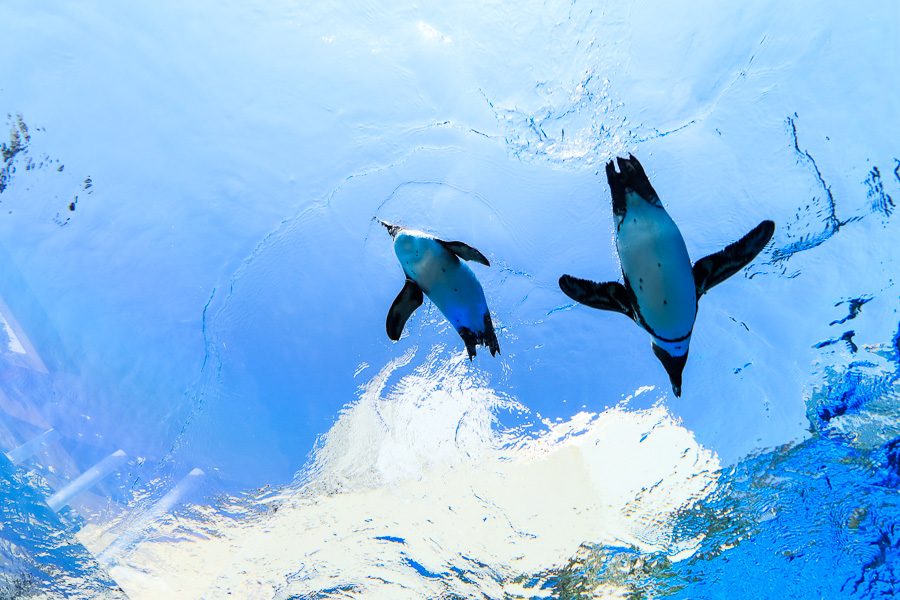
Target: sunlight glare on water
x: 194, y: 371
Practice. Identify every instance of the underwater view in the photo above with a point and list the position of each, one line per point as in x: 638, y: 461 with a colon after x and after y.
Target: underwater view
x: 318, y: 300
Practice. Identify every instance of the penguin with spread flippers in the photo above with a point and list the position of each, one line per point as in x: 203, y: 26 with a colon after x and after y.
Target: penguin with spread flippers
x: 436, y: 268
x: 661, y: 288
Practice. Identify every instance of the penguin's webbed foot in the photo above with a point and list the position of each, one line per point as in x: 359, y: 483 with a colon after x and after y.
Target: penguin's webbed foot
x: 470, y: 339
x: 490, y: 337
x: 631, y: 176
x: 486, y: 337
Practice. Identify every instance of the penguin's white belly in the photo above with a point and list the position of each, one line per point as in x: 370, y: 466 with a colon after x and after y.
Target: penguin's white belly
x: 447, y: 281
x: 656, y: 263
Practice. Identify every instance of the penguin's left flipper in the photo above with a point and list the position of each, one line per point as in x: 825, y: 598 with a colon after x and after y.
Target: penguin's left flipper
x: 408, y: 300
x: 716, y: 268
x: 610, y: 295
x: 465, y: 252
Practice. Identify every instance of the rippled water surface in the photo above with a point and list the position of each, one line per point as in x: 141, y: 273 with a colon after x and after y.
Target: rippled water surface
x: 197, y: 395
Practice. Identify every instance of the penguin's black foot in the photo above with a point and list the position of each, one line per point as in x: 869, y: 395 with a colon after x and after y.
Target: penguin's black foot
x: 486, y: 337
x: 490, y: 338
x: 631, y: 176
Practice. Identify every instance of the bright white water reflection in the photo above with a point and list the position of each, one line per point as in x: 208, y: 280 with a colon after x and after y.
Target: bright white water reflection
x: 414, y: 491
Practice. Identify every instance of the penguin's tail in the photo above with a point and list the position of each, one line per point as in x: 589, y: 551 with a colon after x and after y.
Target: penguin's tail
x: 486, y: 337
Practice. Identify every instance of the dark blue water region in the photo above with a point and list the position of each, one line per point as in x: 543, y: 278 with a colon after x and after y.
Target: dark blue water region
x: 817, y: 519
x: 38, y: 556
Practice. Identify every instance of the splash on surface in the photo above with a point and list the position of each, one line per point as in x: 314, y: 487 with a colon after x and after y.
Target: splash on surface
x: 19, y: 137
x: 575, y: 127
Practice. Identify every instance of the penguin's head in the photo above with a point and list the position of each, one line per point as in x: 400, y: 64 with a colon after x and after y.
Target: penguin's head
x: 674, y: 365
x: 392, y: 229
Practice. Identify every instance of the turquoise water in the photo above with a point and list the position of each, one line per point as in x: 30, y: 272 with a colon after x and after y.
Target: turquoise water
x: 197, y: 395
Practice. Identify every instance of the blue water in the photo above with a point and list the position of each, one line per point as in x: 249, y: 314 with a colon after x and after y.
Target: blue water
x: 190, y: 273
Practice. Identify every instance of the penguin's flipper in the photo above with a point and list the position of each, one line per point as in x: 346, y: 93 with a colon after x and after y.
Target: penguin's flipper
x: 610, y: 295
x: 486, y: 337
x: 716, y: 268
x: 407, y: 301
x: 465, y: 252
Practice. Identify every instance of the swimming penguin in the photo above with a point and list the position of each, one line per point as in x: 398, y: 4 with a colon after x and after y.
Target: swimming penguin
x: 661, y: 287
x: 434, y: 267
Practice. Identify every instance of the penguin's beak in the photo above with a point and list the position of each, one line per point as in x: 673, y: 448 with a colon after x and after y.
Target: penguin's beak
x: 674, y: 365
x: 392, y: 229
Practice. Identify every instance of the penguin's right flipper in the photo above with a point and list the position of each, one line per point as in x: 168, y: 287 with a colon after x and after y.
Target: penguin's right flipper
x: 465, y: 252
x: 407, y: 301
x: 610, y: 295
x: 716, y: 268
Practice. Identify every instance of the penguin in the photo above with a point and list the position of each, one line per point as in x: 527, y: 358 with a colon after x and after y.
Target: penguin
x: 662, y: 288
x: 436, y: 268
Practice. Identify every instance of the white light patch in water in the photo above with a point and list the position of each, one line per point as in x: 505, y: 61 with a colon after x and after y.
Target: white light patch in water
x: 13, y: 345
x: 429, y: 32
x: 410, y: 488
